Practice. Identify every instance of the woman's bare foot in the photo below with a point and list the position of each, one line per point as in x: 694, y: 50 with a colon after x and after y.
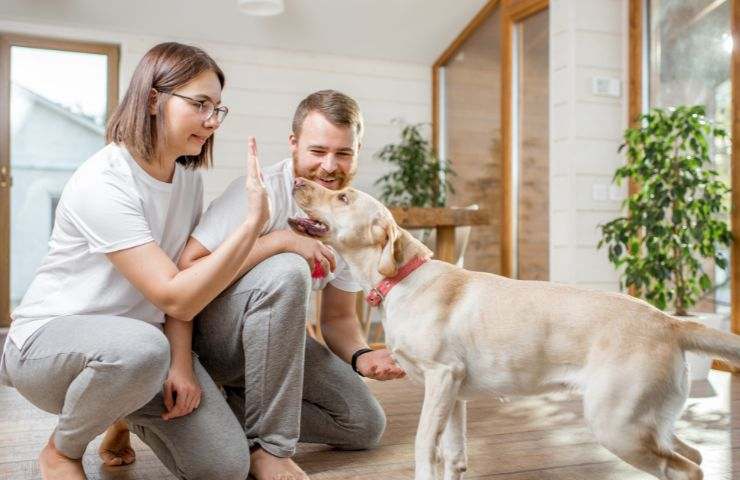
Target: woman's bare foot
x: 55, y: 466
x: 115, y: 449
x: 265, y: 466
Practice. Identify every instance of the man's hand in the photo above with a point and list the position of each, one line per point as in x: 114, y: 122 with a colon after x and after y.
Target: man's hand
x: 313, y: 251
x: 379, y: 365
x: 181, y: 393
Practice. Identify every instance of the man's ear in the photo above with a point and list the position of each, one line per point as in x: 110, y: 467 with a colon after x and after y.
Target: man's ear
x: 387, y: 265
x: 293, y: 142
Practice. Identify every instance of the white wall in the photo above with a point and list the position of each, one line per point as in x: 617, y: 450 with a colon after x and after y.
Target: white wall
x: 587, y: 38
x: 263, y: 87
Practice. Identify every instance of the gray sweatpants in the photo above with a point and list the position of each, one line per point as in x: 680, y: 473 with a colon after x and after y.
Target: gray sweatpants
x: 281, y: 385
x: 94, y: 370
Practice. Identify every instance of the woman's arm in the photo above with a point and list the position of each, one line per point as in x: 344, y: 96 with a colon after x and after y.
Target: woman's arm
x: 263, y: 248
x: 182, y: 294
x: 273, y: 243
x: 181, y: 391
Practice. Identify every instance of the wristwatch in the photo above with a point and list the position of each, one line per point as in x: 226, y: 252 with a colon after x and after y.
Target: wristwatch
x: 355, y: 356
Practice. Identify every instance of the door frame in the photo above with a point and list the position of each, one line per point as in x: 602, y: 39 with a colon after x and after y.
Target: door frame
x: 8, y: 40
x: 512, y: 12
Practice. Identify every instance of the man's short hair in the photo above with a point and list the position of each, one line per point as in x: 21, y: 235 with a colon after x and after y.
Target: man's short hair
x: 340, y: 109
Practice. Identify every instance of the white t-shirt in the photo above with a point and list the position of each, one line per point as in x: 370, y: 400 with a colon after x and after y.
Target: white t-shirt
x: 229, y: 210
x: 110, y: 203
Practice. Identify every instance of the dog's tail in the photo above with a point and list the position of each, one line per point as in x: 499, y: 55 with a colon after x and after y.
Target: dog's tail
x: 697, y: 338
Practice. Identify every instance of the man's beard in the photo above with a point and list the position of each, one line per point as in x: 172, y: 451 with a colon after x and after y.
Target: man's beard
x: 318, y: 172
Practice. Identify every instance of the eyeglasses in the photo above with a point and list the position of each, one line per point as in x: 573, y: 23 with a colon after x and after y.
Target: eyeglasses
x: 206, y: 108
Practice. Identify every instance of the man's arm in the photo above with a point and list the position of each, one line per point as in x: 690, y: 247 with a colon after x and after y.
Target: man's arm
x: 341, y: 331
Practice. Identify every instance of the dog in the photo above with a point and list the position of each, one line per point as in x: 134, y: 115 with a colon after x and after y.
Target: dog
x: 467, y: 334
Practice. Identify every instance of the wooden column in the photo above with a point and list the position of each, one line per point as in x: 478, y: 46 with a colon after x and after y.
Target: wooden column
x: 735, y: 172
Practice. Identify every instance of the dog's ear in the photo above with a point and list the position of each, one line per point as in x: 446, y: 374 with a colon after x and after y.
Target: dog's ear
x: 388, y: 234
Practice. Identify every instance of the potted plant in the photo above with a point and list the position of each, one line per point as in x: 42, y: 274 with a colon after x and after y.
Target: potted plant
x: 420, y: 178
x: 676, y: 218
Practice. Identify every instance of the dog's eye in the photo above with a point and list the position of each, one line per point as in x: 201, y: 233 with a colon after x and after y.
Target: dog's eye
x: 343, y: 198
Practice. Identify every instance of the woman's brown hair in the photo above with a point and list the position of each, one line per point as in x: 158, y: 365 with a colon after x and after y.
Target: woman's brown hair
x: 164, y: 68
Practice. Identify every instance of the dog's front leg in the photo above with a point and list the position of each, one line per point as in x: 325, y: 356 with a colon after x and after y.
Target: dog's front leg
x: 453, y: 443
x: 441, y: 386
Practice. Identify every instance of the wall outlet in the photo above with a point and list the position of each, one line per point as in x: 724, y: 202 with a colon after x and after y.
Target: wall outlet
x: 606, y: 87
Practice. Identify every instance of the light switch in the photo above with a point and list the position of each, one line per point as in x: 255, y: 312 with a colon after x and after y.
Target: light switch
x: 615, y: 193
x: 600, y: 192
x: 606, y: 87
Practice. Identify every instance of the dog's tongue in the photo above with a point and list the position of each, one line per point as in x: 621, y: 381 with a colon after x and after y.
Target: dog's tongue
x: 308, y: 226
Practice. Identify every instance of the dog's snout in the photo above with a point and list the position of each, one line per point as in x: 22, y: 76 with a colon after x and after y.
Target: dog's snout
x: 299, y: 182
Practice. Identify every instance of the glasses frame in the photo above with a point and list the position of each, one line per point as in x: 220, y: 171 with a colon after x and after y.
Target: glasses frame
x: 201, y: 105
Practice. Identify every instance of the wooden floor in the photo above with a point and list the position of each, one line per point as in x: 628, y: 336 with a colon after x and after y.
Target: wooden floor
x: 531, y: 438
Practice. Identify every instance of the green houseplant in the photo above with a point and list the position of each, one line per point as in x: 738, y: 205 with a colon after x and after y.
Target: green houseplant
x: 420, y: 178
x: 675, y: 218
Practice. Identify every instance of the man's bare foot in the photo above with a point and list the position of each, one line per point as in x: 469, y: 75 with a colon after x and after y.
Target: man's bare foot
x: 115, y: 449
x: 55, y: 466
x: 265, y: 466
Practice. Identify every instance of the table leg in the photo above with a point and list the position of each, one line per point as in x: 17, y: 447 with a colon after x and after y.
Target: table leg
x: 445, y: 247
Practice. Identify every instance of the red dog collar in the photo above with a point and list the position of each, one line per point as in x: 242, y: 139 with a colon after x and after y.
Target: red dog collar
x: 378, y: 294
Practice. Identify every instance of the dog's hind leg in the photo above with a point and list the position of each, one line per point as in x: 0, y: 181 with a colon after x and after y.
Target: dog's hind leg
x: 441, y: 386
x: 453, y: 443
x: 634, y: 420
x: 640, y: 446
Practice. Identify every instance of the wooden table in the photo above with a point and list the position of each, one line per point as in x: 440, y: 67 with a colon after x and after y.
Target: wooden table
x: 444, y: 221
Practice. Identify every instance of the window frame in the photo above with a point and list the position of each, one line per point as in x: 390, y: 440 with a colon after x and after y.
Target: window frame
x: 7, y: 41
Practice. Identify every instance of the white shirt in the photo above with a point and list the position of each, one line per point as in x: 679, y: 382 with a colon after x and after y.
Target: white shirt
x: 110, y: 203
x: 228, y: 211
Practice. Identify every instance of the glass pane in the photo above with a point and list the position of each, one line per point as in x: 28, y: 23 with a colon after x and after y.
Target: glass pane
x: 531, y: 147
x: 472, y: 135
x: 57, y: 120
x: 690, y: 48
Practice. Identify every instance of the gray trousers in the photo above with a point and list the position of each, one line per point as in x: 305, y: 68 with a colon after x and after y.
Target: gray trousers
x: 94, y: 370
x: 281, y: 385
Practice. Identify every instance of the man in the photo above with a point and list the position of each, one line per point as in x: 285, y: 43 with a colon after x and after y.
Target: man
x: 281, y: 385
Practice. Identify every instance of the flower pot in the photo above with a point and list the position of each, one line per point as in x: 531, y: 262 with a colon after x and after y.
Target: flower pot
x: 699, y: 365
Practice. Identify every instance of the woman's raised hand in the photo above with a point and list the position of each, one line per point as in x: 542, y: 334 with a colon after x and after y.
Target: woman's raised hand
x: 258, y: 203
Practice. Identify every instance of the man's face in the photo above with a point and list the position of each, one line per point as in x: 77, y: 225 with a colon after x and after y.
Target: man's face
x: 324, y: 152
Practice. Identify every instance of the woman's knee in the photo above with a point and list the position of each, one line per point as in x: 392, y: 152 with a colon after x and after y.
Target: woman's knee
x: 147, y: 358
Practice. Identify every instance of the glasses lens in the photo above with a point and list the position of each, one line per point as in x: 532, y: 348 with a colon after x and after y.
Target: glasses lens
x: 221, y: 113
x: 206, y: 109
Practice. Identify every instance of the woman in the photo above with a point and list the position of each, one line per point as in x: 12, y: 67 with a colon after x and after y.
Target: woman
x: 86, y: 342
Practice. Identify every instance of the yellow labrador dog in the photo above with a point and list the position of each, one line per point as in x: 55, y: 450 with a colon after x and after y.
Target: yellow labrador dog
x: 465, y: 334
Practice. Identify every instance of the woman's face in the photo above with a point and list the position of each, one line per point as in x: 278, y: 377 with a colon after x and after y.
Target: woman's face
x: 187, y: 128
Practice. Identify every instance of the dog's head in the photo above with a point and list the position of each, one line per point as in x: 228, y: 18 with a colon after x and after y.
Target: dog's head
x: 358, y: 226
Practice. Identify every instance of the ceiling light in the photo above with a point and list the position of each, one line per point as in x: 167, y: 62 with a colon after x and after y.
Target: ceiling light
x: 261, y: 8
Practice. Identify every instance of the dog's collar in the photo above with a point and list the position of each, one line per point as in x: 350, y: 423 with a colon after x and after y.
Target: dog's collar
x: 378, y: 294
